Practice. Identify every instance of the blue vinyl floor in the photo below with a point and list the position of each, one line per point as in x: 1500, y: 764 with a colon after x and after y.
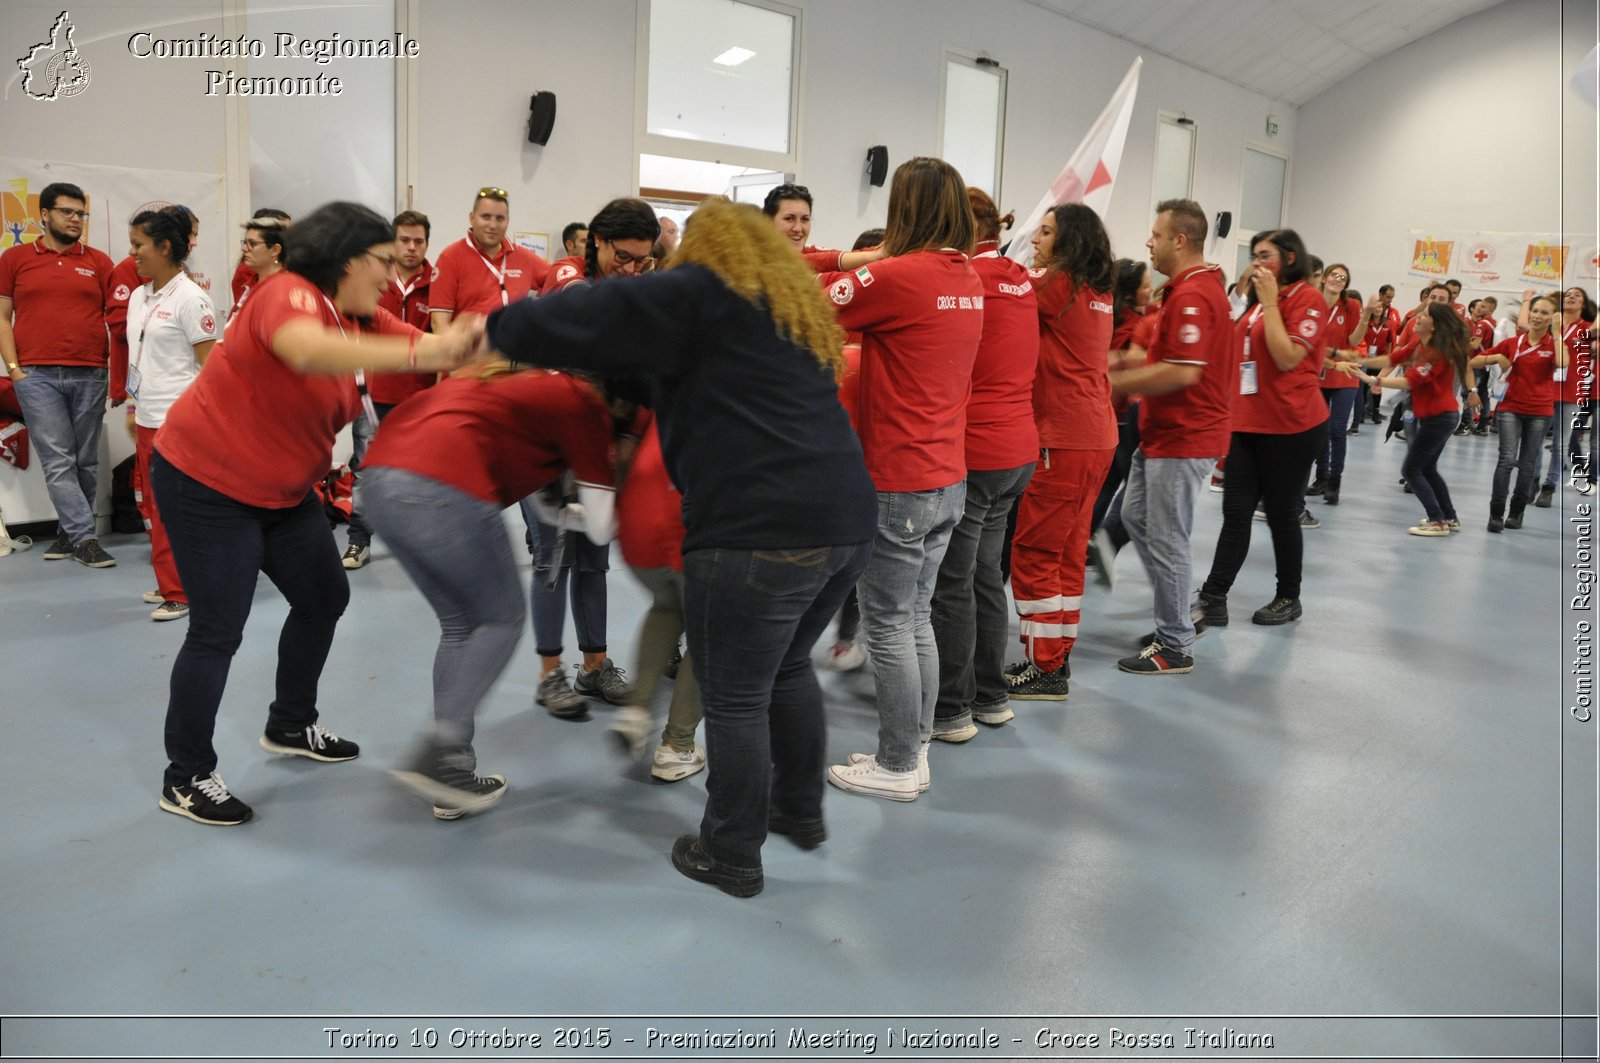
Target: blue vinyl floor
x: 1384, y: 809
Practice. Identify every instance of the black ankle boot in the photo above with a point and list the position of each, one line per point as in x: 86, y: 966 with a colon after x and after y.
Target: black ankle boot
x: 1330, y: 494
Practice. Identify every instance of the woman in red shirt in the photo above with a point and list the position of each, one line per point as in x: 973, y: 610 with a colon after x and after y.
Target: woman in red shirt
x: 1530, y: 360
x: 1575, y: 392
x: 232, y: 473
x: 1439, y: 370
x: 1074, y: 273
x: 1280, y: 424
x: 434, y: 483
x: 1342, y: 338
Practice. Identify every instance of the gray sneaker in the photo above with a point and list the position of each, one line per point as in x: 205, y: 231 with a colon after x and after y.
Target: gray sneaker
x: 557, y: 695
x: 59, y: 550
x: 607, y: 682
x: 89, y: 554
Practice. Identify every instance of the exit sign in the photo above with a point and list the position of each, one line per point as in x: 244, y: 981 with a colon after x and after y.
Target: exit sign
x: 1272, y: 127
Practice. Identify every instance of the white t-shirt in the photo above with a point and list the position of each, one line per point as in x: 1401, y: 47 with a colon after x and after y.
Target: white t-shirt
x: 163, y: 328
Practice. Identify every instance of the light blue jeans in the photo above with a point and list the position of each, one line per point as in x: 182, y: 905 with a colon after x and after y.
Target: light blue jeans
x: 896, y: 593
x: 456, y: 549
x: 65, y: 408
x: 1158, y: 515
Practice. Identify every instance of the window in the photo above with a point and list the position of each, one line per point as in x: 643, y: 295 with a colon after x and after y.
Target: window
x: 973, y: 112
x: 1261, y: 204
x: 720, y: 82
x: 1174, y: 178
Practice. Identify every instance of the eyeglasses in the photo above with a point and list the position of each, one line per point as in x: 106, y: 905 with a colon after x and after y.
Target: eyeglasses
x: 1336, y: 277
x: 625, y: 258
x: 1264, y: 256
x: 493, y: 193
x: 386, y: 261
x: 251, y: 245
x: 69, y: 212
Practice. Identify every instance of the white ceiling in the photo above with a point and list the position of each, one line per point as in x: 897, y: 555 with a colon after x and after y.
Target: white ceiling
x: 1290, y: 50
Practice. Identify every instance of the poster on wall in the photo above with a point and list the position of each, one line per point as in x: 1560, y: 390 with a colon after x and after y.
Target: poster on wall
x: 1504, y: 262
x: 117, y: 193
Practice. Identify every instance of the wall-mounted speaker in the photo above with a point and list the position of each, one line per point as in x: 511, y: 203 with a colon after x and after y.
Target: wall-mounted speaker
x: 877, y: 165
x: 1224, y: 223
x: 541, y: 117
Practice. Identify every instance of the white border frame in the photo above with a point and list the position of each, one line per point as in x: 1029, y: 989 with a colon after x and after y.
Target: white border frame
x: 952, y: 54
x: 1243, y: 236
x: 1166, y: 117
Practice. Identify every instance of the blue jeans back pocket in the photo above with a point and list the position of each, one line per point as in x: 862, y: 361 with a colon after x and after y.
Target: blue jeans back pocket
x: 781, y: 573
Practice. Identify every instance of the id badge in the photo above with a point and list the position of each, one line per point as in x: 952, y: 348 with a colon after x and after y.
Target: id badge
x: 134, y: 376
x: 1247, y: 378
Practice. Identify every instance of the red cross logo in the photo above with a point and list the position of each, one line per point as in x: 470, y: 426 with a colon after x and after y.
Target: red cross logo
x: 1480, y: 256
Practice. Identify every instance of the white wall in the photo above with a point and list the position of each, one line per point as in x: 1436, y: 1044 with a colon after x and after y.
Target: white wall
x: 1471, y: 127
x: 871, y: 76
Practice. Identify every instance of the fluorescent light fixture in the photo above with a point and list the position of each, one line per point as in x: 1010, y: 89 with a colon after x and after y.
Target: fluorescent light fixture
x: 734, y: 56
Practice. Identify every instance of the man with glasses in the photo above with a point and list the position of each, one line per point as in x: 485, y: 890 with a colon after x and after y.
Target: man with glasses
x: 53, y: 339
x: 483, y: 271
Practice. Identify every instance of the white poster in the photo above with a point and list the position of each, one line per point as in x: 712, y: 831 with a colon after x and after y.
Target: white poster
x: 1504, y: 262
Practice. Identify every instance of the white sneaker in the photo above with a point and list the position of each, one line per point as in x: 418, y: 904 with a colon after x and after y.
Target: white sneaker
x: 671, y: 765
x: 948, y: 732
x: 996, y: 714
x: 355, y: 556
x: 152, y: 597
x: 864, y: 776
x: 847, y: 656
x: 170, y: 611
x: 1215, y: 487
x: 924, y: 776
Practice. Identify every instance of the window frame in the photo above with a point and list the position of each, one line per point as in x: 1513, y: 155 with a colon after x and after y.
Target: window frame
x: 1243, y: 236
x: 1165, y: 117
x: 961, y: 56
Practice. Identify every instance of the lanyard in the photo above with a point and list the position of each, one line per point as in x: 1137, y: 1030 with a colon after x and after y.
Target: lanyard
x: 361, y: 377
x: 172, y: 286
x: 498, y: 274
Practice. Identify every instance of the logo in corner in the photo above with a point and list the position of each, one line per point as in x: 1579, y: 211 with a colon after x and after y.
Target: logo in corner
x: 842, y: 291
x: 55, y: 69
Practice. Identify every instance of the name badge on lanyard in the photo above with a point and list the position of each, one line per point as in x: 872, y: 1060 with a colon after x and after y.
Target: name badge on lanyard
x: 1248, y: 383
x: 498, y: 274
x: 367, y: 407
x: 1560, y: 376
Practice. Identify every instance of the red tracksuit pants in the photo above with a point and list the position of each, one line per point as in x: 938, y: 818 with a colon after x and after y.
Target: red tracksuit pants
x: 167, y: 581
x: 1051, y: 548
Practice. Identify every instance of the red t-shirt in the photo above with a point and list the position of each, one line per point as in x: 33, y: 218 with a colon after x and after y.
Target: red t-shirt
x: 1530, y: 385
x: 59, y: 303
x: 1193, y: 328
x: 1433, y: 384
x: 1381, y: 332
x: 409, y: 303
x: 1344, y: 317
x: 1000, y: 428
x: 1482, y: 328
x: 243, y: 277
x: 466, y: 282
x: 1071, y: 391
x: 567, y: 271
x: 253, y: 427
x: 1284, y: 402
x: 1579, y: 384
x: 124, y: 279
x: 850, y: 386
x: 921, y: 317
x: 500, y: 439
x: 650, y: 510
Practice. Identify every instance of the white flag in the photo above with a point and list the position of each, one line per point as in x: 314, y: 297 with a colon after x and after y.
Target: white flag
x: 1092, y: 170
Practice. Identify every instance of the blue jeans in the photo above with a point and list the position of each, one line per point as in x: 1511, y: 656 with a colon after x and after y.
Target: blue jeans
x: 1158, y: 512
x: 752, y: 617
x: 457, y: 551
x: 220, y: 545
x: 1340, y: 402
x: 584, y: 564
x: 1563, y: 436
x: 1521, y: 438
x: 65, y: 407
x: 361, y: 433
x: 971, y: 618
x: 914, y: 529
x: 1425, y: 441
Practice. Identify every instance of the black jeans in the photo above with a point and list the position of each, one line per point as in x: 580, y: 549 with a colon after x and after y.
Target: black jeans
x: 1270, y: 469
x: 971, y: 617
x: 1425, y: 441
x: 752, y: 618
x: 219, y: 545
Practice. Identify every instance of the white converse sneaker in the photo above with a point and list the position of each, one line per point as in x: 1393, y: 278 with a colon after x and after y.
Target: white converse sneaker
x: 921, y: 776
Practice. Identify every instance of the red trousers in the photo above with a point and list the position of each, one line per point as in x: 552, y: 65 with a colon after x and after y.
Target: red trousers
x: 167, y: 581
x: 1051, y: 548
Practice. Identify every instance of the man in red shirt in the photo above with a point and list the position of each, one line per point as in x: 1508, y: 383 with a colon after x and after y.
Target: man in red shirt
x: 483, y: 271
x: 53, y: 338
x: 406, y: 297
x: 1187, y: 385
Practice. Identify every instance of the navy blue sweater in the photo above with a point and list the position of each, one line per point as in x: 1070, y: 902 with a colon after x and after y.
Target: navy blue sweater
x: 751, y: 426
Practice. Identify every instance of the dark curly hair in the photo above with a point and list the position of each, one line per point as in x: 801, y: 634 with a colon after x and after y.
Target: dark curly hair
x: 320, y: 245
x: 621, y: 219
x: 1082, y: 250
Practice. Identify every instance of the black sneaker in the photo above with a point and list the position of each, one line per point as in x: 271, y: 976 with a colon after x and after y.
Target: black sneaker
x: 1307, y: 521
x: 1497, y: 524
x: 696, y: 863
x: 1034, y: 685
x: 89, y: 555
x: 59, y: 550
x: 607, y: 682
x: 1156, y: 659
x: 205, y: 799
x: 1481, y: 430
x: 1318, y: 485
x: 1354, y: 430
x: 1461, y: 430
x: 445, y: 775
x: 1277, y: 611
x: 355, y: 556
x: 316, y: 742
x: 1514, y: 519
x: 806, y: 833
x: 1546, y: 493
x: 556, y: 695
x: 1211, y: 608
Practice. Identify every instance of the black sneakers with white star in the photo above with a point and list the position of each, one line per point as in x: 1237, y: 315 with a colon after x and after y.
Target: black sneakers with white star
x: 205, y: 799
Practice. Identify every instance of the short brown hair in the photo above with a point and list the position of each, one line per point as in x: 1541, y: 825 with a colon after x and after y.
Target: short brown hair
x: 414, y: 217
x: 928, y: 208
x: 1187, y: 219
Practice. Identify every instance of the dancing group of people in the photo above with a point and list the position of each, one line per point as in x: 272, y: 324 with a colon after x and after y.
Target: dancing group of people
x: 772, y: 430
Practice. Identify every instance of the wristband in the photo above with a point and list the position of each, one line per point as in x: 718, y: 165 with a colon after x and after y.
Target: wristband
x: 411, y: 353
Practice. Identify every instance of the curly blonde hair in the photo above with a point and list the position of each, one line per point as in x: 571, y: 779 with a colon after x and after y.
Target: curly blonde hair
x: 738, y: 243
